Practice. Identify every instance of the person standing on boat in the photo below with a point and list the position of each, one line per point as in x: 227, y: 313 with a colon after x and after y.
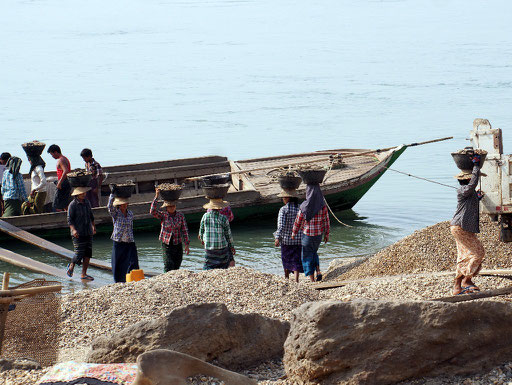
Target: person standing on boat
x: 81, y: 224
x: 173, y: 233
x: 313, y: 221
x: 13, y: 188
x: 63, y: 193
x: 464, y: 227
x: 97, y: 177
x: 291, y: 248
x: 35, y: 203
x: 124, y: 251
x: 215, y: 235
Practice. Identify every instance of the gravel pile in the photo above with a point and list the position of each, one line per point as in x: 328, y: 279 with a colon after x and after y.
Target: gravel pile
x: 431, y: 249
x: 106, y: 310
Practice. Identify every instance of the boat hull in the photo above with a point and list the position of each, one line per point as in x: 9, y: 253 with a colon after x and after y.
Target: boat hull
x: 246, y: 204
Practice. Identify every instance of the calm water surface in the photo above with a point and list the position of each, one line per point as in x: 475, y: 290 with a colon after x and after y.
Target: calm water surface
x: 150, y: 80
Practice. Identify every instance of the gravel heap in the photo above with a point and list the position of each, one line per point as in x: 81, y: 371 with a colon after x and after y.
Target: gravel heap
x: 106, y: 310
x: 431, y: 249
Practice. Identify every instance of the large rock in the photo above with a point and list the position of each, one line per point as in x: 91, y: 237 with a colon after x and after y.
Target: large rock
x: 165, y: 367
x: 377, y: 342
x: 205, y: 331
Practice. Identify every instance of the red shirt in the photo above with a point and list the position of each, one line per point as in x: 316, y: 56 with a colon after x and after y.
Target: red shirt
x: 60, y: 171
x: 317, y: 225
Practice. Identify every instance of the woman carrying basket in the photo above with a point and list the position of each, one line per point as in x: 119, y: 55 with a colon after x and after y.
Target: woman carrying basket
x: 124, y: 251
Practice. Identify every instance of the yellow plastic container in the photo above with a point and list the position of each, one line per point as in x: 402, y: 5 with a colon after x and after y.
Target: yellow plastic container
x: 137, y: 274
x: 129, y: 277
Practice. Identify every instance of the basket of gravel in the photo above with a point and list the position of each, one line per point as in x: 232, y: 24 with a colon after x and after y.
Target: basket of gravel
x: 217, y: 191
x: 289, y: 181
x: 79, y: 178
x: 170, y: 191
x: 124, y: 190
x: 34, y: 148
x: 312, y: 176
x: 463, y: 157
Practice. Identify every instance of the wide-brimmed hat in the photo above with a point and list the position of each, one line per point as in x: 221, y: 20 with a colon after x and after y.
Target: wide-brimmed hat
x: 80, y: 190
x: 285, y: 193
x: 466, y: 174
x: 216, y: 204
x: 169, y: 203
x: 120, y: 201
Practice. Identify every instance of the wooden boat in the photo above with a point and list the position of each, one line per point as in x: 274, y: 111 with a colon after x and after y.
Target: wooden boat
x: 253, y: 193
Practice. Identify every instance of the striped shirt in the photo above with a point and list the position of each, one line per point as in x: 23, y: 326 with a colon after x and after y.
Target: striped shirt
x: 285, y: 221
x: 13, y: 187
x: 214, y: 231
x: 173, y: 225
x: 123, y: 225
x: 317, y: 225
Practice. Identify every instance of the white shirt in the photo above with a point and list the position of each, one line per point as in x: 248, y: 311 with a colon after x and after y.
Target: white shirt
x: 38, y: 179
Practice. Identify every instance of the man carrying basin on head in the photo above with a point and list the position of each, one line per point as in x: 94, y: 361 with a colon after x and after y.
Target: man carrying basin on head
x: 81, y: 224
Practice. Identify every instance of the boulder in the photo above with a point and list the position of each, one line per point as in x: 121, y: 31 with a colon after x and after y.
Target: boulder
x: 166, y: 367
x: 205, y: 331
x: 383, y: 342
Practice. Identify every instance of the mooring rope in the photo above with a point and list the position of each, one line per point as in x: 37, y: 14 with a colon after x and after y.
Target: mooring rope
x: 327, y: 204
x: 418, y: 177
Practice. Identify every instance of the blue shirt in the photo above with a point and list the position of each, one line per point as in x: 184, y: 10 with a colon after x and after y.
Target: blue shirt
x: 13, y: 187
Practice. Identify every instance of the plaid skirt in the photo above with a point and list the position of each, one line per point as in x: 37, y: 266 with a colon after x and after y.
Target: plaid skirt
x: 217, y: 258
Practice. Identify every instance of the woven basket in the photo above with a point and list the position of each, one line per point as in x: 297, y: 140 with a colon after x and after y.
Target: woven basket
x: 170, y: 195
x: 289, y: 182
x: 217, y: 191
x: 312, y: 176
x: 33, y: 150
x: 80, y: 178
x: 215, y: 180
x: 123, y: 190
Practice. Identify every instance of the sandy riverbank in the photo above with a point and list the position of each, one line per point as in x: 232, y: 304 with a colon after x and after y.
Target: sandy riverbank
x: 86, y: 314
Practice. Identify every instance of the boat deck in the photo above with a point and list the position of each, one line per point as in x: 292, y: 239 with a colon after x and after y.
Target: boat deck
x: 353, y: 167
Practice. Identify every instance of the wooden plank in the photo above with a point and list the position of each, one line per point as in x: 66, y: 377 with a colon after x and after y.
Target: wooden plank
x: 30, y: 264
x: 32, y: 239
x: 335, y: 283
x: 30, y: 290
x: 40, y: 267
x: 475, y: 295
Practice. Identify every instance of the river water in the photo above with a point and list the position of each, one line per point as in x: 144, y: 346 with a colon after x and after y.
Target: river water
x: 151, y: 80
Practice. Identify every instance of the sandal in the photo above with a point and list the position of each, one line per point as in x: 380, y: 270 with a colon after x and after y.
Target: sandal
x: 464, y: 291
x: 472, y: 288
x: 69, y: 272
x: 319, y: 277
x: 87, y: 278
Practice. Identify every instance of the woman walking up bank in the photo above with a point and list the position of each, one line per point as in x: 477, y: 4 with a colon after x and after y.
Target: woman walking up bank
x: 173, y: 233
x: 124, y: 251
x: 464, y: 227
x: 291, y: 249
x: 313, y: 221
